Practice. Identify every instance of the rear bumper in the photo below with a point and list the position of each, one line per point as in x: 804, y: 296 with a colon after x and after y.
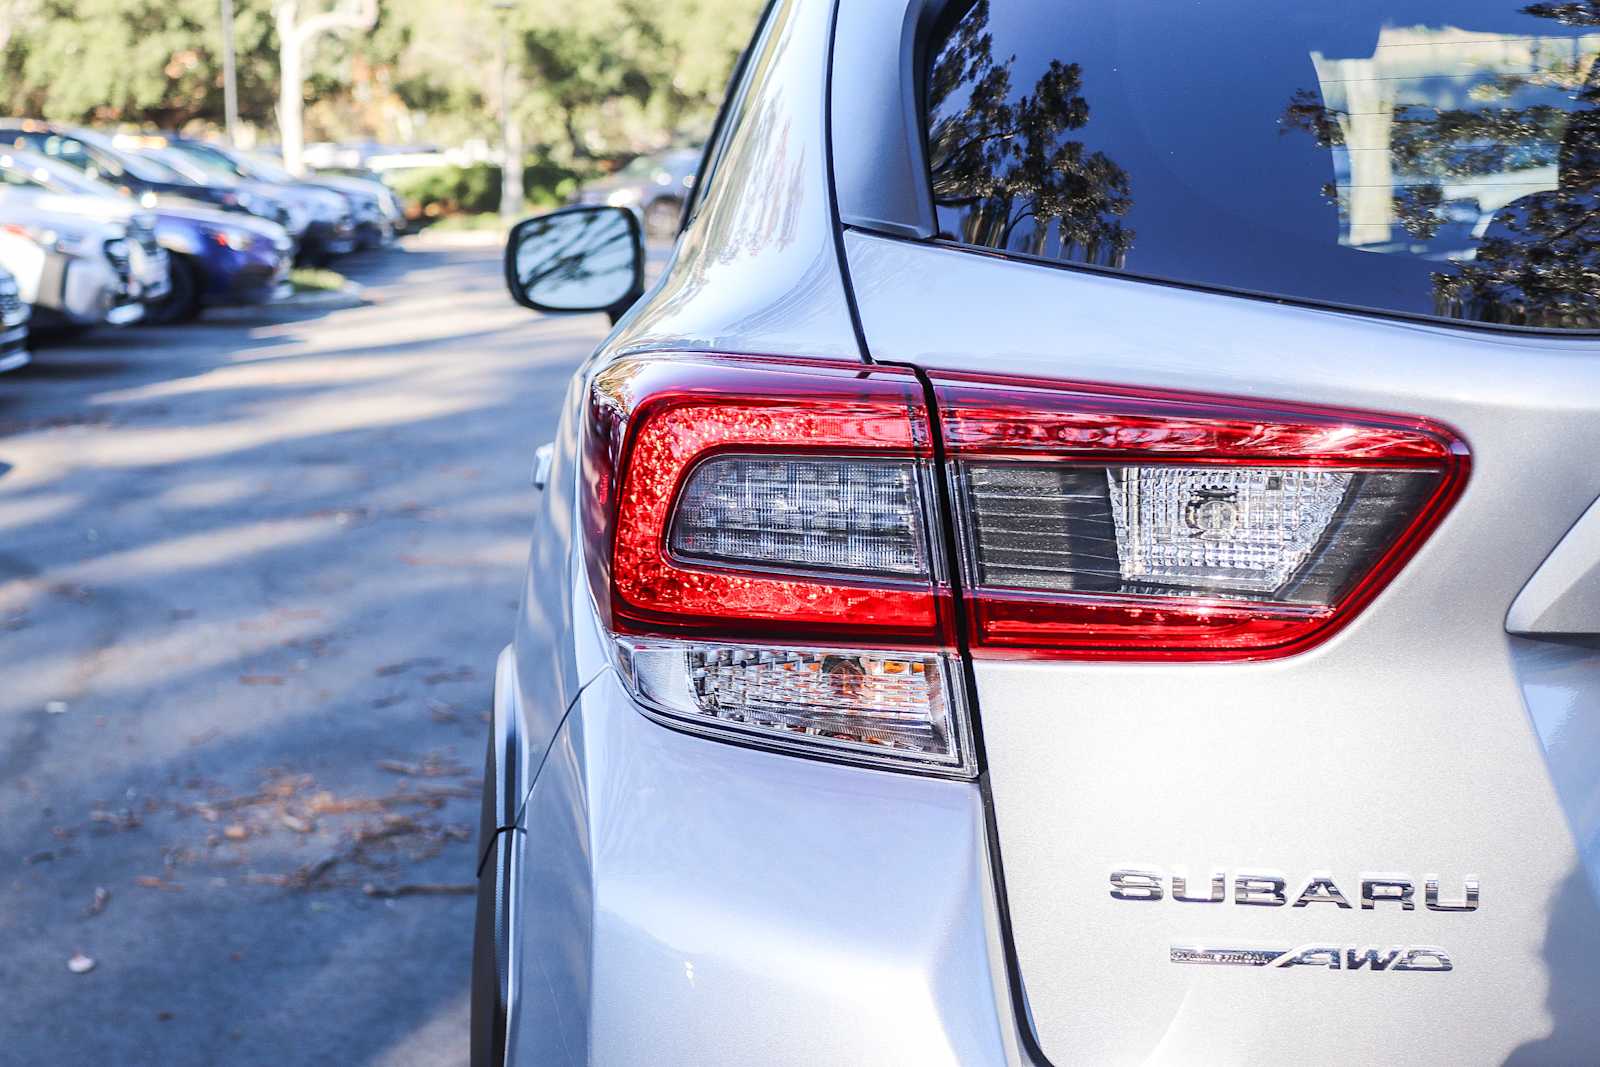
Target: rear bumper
x: 324, y: 239
x: 681, y: 901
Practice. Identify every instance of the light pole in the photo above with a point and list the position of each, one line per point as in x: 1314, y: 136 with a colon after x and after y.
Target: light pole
x: 230, y: 79
x: 510, y: 130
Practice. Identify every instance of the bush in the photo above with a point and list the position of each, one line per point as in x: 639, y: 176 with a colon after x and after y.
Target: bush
x: 437, y: 191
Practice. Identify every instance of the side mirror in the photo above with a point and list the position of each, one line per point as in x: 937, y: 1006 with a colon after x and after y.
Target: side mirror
x: 577, y: 259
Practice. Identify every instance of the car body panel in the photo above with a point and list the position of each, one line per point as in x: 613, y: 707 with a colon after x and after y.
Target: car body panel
x: 865, y: 937
x: 1412, y: 722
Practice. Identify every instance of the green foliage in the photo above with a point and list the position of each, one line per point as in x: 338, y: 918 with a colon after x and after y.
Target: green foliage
x: 593, y: 79
x: 452, y: 190
x: 155, y: 61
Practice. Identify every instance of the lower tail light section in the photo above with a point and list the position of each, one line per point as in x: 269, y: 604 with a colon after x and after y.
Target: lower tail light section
x: 765, y: 548
x: 1102, y: 524
x: 886, y: 708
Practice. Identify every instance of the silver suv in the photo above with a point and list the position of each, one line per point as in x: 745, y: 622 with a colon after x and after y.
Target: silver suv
x: 1088, y: 553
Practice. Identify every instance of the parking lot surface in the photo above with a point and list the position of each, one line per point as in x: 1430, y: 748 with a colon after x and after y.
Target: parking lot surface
x: 254, y: 574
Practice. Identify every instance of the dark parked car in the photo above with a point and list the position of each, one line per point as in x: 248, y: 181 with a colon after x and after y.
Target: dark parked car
x: 215, y: 257
x: 96, y: 156
x: 319, y: 221
x: 653, y: 187
x: 375, y: 209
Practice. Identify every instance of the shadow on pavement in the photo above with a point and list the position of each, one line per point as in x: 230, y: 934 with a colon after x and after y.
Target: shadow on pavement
x: 253, y: 579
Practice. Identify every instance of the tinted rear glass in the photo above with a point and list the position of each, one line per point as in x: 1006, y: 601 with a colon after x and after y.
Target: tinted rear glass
x: 1438, y: 158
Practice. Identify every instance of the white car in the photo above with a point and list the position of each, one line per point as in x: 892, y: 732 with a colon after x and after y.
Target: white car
x: 14, y: 315
x: 79, y: 260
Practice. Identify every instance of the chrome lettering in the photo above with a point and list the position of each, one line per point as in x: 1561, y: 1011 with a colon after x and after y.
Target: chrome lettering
x: 1469, y: 895
x: 1261, y: 890
x: 1398, y: 890
x: 1136, y: 885
x: 1321, y: 890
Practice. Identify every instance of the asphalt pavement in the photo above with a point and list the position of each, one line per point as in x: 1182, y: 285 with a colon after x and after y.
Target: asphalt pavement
x: 254, y: 574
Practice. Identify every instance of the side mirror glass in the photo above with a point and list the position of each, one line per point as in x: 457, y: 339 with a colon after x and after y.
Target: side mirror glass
x: 577, y: 259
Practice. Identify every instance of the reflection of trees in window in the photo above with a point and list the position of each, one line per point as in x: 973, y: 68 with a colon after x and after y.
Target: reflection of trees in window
x: 1586, y: 13
x: 1005, y: 163
x: 1537, y: 257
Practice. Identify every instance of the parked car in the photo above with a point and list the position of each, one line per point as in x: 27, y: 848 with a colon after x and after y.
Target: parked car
x: 217, y: 258
x: 74, y: 269
x: 143, y: 179
x: 326, y: 225
x: 1062, y: 568
x: 14, y: 314
x: 654, y: 187
x: 33, y: 183
x: 376, y: 210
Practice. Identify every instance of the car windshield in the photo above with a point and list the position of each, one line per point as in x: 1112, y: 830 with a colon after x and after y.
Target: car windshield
x: 265, y: 168
x: 18, y: 167
x: 187, y: 167
x: 1435, y: 158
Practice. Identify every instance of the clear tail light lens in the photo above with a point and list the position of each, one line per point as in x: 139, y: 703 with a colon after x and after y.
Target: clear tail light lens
x: 887, y: 708
x: 1105, y: 524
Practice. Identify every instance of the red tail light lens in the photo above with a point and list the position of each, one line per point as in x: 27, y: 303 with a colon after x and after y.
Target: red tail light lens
x: 1105, y: 524
x: 756, y: 500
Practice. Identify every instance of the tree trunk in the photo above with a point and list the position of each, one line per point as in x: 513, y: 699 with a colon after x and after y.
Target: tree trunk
x: 291, y: 86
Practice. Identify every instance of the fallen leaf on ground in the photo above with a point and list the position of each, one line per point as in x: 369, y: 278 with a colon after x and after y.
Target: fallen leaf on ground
x: 150, y: 881
x: 260, y: 679
x: 297, y: 824
x: 80, y: 964
x: 236, y: 832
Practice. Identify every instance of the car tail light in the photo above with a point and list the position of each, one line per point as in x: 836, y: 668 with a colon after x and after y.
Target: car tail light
x: 764, y: 547
x: 1098, y: 523
x: 765, y: 541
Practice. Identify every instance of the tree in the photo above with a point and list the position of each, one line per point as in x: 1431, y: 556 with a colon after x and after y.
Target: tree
x: 295, y: 34
x: 148, y: 61
x: 1005, y: 159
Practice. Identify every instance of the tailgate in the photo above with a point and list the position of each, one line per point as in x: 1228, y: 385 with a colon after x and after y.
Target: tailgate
x: 1420, y: 744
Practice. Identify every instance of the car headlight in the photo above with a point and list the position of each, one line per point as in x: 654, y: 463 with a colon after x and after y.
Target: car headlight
x: 56, y: 239
x: 238, y: 240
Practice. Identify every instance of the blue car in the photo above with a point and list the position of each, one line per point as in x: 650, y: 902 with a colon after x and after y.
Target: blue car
x: 216, y: 257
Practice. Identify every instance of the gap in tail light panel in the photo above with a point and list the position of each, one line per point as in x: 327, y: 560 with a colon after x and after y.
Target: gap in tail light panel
x: 1104, y: 524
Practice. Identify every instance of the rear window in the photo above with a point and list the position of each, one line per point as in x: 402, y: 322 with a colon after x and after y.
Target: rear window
x: 1439, y: 158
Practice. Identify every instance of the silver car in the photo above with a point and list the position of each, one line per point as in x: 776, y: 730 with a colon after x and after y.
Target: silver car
x: 1088, y: 553
x: 14, y: 314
